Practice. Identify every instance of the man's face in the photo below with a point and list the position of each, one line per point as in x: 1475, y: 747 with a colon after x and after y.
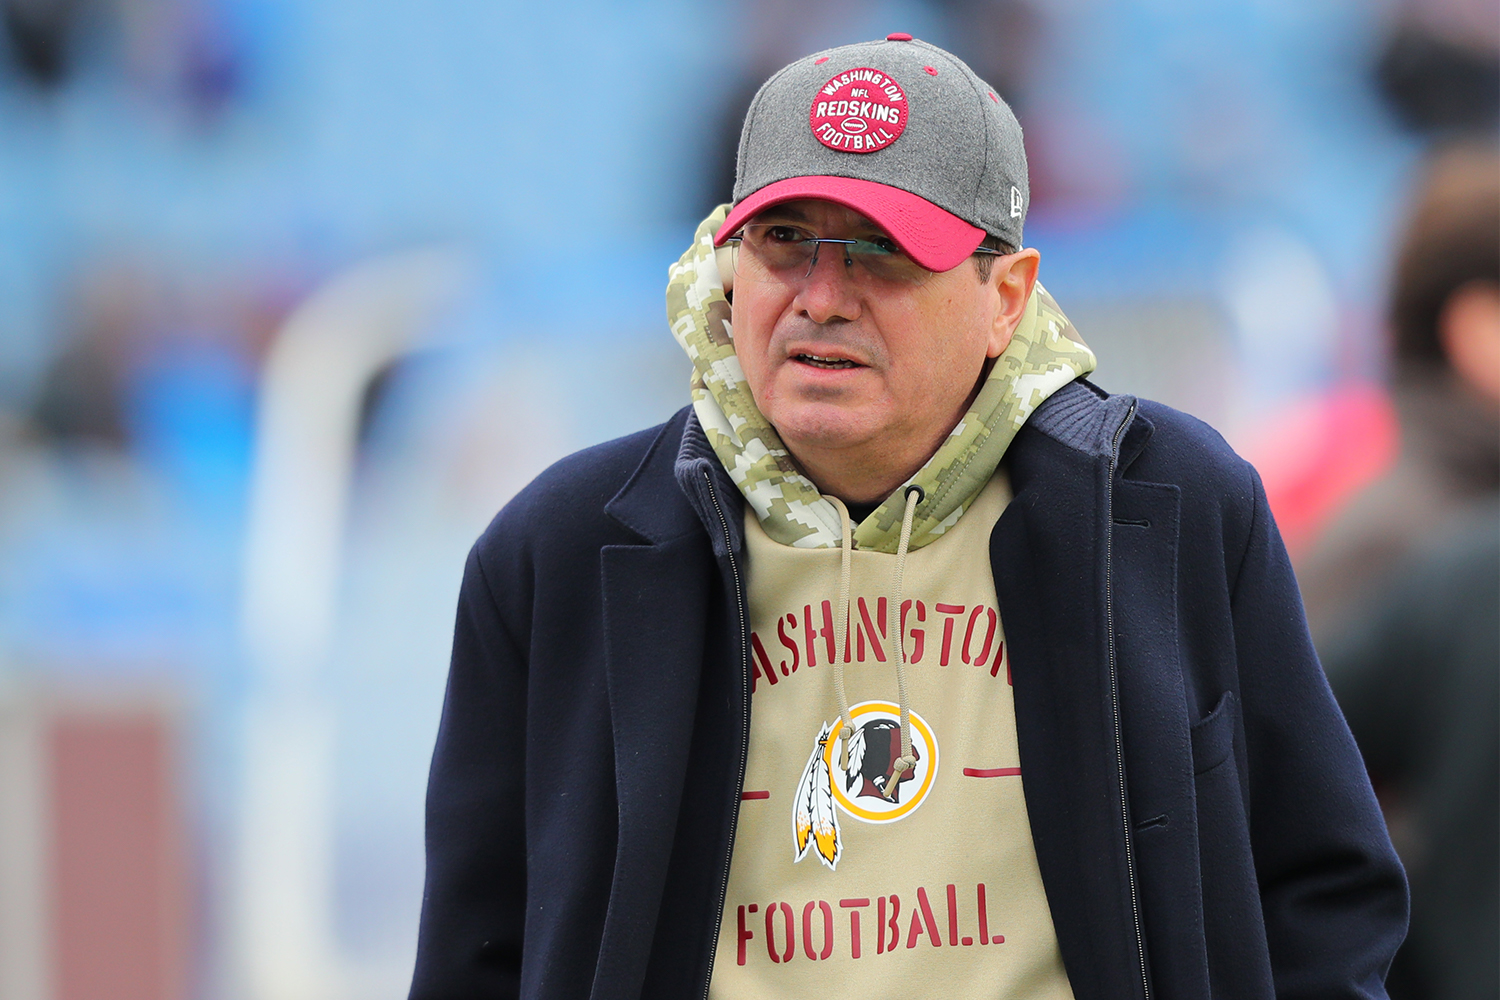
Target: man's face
x: 836, y: 363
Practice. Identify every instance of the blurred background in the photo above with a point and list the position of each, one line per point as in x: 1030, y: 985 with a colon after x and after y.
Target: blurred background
x: 295, y: 295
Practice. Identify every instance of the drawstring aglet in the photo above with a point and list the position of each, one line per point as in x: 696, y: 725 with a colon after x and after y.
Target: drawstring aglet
x: 845, y: 735
x: 901, y: 766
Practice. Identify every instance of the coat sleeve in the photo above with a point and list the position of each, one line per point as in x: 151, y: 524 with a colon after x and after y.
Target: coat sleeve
x: 1333, y: 894
x: 473, y: 907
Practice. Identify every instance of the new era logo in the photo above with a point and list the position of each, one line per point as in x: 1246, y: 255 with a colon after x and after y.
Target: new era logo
x: 1015, y: 203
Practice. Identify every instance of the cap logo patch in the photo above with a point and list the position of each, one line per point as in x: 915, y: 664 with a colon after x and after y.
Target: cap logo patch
x: 859, y: 111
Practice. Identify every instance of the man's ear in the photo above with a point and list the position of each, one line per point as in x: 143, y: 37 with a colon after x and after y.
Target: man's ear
x: 1012, y: 278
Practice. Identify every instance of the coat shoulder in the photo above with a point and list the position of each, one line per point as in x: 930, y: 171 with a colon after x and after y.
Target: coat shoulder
x: 1174, y: 447
x: 566, y: 502
x: 1222, y: 502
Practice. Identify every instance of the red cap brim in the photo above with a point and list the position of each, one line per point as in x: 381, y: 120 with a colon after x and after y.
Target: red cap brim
x: 935, y: 238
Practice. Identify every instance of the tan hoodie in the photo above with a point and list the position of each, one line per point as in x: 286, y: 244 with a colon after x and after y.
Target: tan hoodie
x: 883, y: 845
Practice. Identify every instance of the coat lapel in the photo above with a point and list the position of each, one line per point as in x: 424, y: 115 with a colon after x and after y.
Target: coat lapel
x: 1163, y: 806
x: 655, y: 619
x: 1049, y: 559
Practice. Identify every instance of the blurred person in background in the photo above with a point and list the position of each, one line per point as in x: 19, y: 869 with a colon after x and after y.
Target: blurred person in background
x: 1418, y: 677
x: 895, y: 444
x: 1405, y: 586
x: 1445, y: 335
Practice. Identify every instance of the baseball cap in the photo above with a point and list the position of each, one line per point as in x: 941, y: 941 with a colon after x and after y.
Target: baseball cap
x: 898, y: 130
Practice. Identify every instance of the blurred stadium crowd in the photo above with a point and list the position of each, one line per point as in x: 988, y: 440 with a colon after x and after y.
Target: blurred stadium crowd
x: 293, y: 296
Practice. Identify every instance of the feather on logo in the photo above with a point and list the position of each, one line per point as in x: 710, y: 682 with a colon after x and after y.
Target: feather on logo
x: 815, y: 822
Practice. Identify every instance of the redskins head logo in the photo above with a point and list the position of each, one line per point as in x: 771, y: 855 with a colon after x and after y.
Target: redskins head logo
x: 863, y: 788
x: 859, y: 111
x: 872, y: 761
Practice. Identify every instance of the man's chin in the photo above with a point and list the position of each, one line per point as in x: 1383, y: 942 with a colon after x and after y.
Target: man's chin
x: 823, y: 427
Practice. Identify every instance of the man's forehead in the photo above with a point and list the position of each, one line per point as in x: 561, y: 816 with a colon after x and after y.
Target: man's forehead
x: 813, y: 210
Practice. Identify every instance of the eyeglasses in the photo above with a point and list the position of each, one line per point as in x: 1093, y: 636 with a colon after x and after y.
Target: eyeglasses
x: 774, y: 252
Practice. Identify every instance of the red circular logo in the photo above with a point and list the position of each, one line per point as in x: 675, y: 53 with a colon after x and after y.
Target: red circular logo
x: 859, y: 111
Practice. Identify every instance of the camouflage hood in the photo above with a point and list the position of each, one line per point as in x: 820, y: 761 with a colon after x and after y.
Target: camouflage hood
x: 1045, y: 354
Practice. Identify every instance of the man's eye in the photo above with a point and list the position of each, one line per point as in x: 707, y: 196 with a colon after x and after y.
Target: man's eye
x: 885, y: 243
x: 784, y: 234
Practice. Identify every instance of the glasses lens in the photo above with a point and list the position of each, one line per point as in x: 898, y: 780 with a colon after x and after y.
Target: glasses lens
x: 882, y: 262
x: 773, y: 253
x: 766, y: 252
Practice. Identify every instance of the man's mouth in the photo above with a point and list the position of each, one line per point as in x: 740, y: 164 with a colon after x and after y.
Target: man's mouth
x: 818, y: 361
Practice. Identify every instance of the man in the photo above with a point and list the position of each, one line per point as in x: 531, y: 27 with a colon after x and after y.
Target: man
x: 904, y: 662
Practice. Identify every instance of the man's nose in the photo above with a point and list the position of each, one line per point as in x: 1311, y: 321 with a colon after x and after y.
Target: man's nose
x: 828, y: 293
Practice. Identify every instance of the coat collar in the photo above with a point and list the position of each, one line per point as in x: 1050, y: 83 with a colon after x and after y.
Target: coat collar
x: 659, y: 515
x: 1083, y: 417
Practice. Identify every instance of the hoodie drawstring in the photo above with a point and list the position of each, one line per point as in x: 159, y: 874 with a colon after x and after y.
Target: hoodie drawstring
x: 914, y: 496
x: 903, y: 763
x: 841, y: 628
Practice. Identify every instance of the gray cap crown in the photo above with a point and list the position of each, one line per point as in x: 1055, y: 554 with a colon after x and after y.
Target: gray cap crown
x: 961, y: 148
